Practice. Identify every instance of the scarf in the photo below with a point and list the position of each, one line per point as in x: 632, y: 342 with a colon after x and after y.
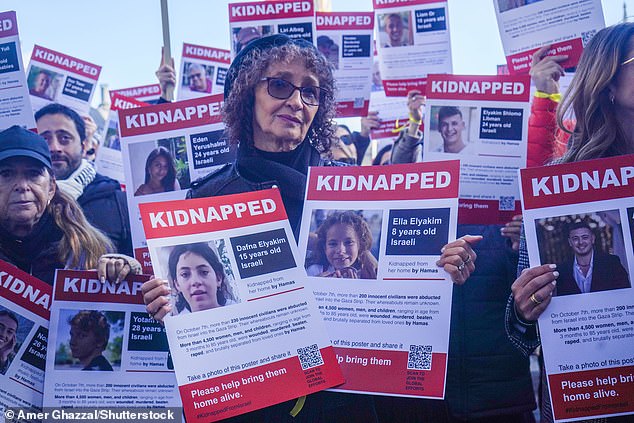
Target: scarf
x: 287, y: 169
x: 78, y: 180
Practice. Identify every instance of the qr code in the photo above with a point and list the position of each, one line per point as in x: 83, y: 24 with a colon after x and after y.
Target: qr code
x: 587, y: 36
x: 507, y: 203
x: 419, y: 357
x: 310, y: 356
x: 358, y: 102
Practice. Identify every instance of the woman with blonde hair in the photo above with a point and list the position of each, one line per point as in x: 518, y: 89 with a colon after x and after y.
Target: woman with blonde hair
x: 41, y: 228
x: 601, y: 96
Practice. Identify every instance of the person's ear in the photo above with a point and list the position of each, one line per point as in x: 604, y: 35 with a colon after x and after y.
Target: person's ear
x: 52, y: 188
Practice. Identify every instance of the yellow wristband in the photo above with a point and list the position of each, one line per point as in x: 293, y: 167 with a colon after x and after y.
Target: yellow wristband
x: 417, y: 122
x: 556, y: 97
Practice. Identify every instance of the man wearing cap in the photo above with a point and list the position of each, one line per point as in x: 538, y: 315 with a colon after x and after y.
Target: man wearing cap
x: 100, y: 197
x: 246, y: 35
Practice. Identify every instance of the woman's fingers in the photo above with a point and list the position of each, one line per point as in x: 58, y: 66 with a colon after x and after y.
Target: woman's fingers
x: 156, y: 298
x: 533, y: 290
x: 458, y: 258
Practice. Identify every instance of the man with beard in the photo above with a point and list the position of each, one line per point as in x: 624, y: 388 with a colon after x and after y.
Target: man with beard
x: 100, y: 197
x: 588, y: 270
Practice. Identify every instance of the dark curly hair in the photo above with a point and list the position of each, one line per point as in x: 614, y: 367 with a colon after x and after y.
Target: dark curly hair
x: 348, y: 217
x: 95, y: 322
x: 238, y: 105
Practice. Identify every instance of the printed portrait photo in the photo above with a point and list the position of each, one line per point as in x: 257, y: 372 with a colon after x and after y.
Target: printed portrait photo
x: 243, y: 35
x: 111, y: 139
x: 14, y: 328
x: 165, y: 166
x: 43, y: 83
x: 329, y: 49
x: 505, y: 5
x: 395, y: 29
x: 198, y: 77
x: 89, y: 340
x: 344, y: 244
x: 199, y: 275
x: 452, y: 129
x: 588, y: 249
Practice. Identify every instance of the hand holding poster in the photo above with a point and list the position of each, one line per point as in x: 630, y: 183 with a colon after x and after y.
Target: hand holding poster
x: 25, y: 304
x: 203, y: 71
x: 580, y: 216
x: 565, y: 25
x: 15, y: 105
x: 345, y: 39
x: 54, y: 77
x: 412, y: 41
x: 104, y: 349
x: 245, y: 333
x: 251, y: 20
x: 371, y: 237
x: 483, y: 121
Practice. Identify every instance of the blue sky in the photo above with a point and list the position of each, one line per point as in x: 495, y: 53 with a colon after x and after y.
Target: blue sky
x: 125, y: 37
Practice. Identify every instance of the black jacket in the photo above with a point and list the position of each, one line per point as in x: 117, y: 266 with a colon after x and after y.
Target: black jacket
x: 486, y: 374
x: 105, y: 206
x: 253, y: 170
x: 37, y: 253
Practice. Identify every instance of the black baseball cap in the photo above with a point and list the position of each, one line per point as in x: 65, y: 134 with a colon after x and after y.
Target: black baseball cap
x: 17, y: 141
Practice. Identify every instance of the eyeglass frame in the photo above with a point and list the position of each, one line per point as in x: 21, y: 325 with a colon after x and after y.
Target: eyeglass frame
x: 322, y: 91
x: 630, y: 60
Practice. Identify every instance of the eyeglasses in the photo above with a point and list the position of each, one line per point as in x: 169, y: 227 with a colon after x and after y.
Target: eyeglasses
x: 630, y: 60
x: 281, y: 89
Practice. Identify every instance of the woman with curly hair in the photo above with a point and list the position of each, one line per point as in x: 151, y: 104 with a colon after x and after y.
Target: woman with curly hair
x: 343, y: 248
x: 278, y: 109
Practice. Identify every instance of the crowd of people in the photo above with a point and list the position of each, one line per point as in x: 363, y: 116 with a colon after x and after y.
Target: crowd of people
x: 57, y: 212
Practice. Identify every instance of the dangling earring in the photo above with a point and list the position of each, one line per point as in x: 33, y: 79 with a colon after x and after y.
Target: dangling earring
x: 612, y: 99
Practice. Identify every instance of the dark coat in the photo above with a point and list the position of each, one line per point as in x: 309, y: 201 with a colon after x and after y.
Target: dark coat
x: 106, y: 208
x: 37, y: 253
x: 486, y: 374
x: 607, y: 274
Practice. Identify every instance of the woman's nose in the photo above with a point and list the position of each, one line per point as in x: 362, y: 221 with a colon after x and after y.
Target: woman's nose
x: 295, y: 100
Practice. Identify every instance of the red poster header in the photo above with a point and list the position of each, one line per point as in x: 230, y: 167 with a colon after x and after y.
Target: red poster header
x: 121, y: 102
x: 201, y: 215
x: 83, y: 285
x: 386, y: 4
x: 8, y: 24
x: 344, y: 20
x: 153, y: 90
x: 25, y: 290
x: 270, y: 10
x: 68, y: 63
x: 520, y: 63
x: 169, y: 116
x: 206, y: 53
x: 418, y: 181
x: 580, y: 182
x: 478, y: 88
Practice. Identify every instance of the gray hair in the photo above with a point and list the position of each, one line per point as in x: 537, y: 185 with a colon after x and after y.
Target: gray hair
x: 239, y: 104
